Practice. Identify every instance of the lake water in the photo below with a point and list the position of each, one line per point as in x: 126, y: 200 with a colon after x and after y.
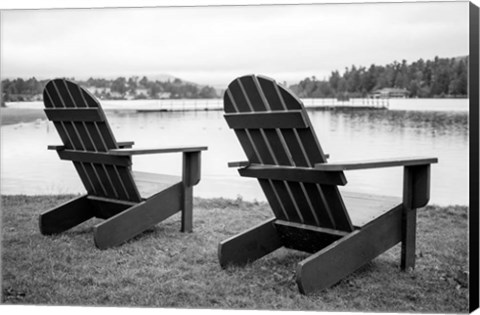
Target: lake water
x: 409, y: 128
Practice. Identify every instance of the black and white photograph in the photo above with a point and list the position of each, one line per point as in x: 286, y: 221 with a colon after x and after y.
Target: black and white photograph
x: 290, y: 156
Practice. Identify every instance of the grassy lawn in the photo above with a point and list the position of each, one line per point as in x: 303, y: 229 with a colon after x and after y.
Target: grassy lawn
x: 166, y: 268
x: 10, y: 116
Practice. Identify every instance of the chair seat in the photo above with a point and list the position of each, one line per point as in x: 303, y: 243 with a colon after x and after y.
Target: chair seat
x: 363, y: 208
x: 149, y: 184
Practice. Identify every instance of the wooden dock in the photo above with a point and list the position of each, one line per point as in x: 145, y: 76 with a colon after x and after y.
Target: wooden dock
x: 310, y: 104
x: 354, y: 103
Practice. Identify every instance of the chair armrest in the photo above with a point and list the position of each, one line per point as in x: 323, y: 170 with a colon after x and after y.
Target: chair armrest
x: 238, y: 164
x: 56, y: 147
x: 416, y: 175
x: 121, y: 144
x: 366, y: 164
x: 125, y: 144
x: 129, y: 152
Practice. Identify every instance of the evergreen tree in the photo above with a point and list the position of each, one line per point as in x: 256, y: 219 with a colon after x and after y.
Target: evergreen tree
x: 439, y: 77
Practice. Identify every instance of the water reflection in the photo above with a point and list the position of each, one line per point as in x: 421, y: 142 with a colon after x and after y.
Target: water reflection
x: 439, y: 123
x: 345, y: 135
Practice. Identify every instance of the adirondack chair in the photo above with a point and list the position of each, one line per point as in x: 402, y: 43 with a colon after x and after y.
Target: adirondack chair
x: 342, y: 231
x: 130, y: 202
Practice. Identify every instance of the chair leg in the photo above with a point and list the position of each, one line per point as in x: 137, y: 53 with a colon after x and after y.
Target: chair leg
x: 137, y: 219
x: 338, y: 260
x: 66, y: 216
x: 409, y: 226
x: 416, y: 193
x: 249, y: 245
x: 187, y: 209
x: 190, y: 177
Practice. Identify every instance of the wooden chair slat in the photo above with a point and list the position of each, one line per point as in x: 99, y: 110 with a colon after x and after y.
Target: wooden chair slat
x: 266, y: 120
x: 105, y: 180
x: 88, y: 130
x: 84, y: 177
x: 63, y: 94
x: 58, y: 102
x: 262, y: 147
x: 76, y: 94
x: 105, y: 138
x: 107, y: 135
x: 116, y: 182
x: 335, y: 202
x: 49, y: 103
x: 247, y: 145
x: 47, y: 99
x: 53, y: 99
x: 84, y: 134
x: 306, y: 149
x: 94, y: 157
x: 112, y: 179
x: 289, y: 100
x: 267, y: 185
x: 95, y: 137
x: 312, y: 149
x: 322, y: 212
x: 124, y: 192
x: 293, y: 174
x: 130, y: 186
x: 237, y: 97
x: 93, y: 179
x: 303, y: 204
x: 278, y: 146
x: 271, y: 94
x: 254, y: 98
x: 73, y: 135
x: 229, y: 106
x: 262, y: 141
x: 74, y: 127
x: 74, y: 114
x: 59, y: 126
x: 89, y: 99
x: 273, y: 199
x: 294, y: 147
x: 288, y: 203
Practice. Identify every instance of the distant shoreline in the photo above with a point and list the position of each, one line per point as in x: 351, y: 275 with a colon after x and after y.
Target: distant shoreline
x: 11, y: 115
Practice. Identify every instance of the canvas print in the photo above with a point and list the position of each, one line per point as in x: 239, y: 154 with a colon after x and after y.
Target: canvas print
x: 270, y: 157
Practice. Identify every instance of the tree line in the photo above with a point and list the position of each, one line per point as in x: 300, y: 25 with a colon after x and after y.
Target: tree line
x: 120, y: 88
x: 145, y: 88
x: 441, y: 77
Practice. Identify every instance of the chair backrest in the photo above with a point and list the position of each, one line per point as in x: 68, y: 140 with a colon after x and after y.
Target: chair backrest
x: 86, y: 136
x: 274, y: 129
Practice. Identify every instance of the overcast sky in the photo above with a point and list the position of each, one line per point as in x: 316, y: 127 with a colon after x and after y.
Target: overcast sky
x: 213, y: 45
